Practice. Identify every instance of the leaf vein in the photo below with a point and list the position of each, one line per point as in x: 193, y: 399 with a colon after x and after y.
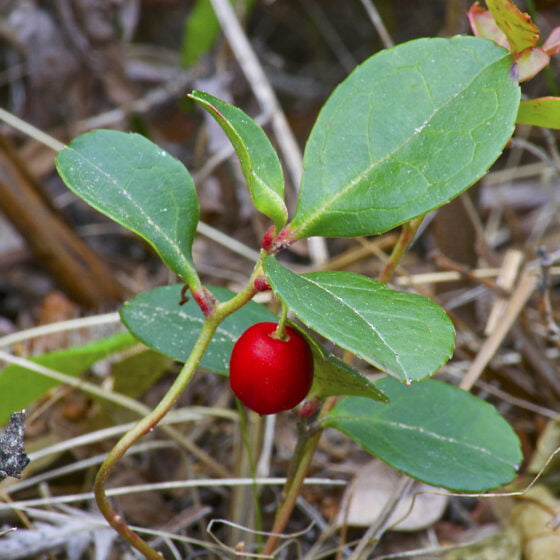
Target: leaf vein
x: 123, y: 188
x: 321, y: 209
x: 364, y: 319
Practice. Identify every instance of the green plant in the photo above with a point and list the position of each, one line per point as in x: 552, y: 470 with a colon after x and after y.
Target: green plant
x: 201, y: 29
x: 407, y: 131
x: 270, y: 371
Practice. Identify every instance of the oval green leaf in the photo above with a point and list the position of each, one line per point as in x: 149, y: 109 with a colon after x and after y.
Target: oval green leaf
x: 157, y: 319
x: 406, y: 335
x: 140, y: 186
x: 407, y: 131
x: 434, y: 432
x: 259, y: 161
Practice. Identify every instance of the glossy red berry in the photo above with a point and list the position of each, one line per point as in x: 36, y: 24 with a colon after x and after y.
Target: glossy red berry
x: 267, y: 374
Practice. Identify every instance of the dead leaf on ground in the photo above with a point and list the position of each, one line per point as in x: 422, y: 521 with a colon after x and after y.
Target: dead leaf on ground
x: 373, y: 486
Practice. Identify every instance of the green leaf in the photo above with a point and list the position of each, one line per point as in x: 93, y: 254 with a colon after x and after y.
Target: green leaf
x: 200, y: 32
x: 138, y: 372
x: 157, y: 319
x: 543, y: 111
x: 20, y: 386
x: 140, y: 186
x: 434, y: 432
x: 259, y: 161
x: 405, y: 335
x: 333, y: 377
x: 133, y: 375
x: 407, y: 131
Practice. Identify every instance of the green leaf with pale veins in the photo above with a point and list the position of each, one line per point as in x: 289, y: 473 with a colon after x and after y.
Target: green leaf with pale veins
x: 408, y: 130
x: 140, y: 186
x: 434, y: 432
x: 259, y: 162
x: 406, y: 335
x: 332, y: 377
x: 157, y: 319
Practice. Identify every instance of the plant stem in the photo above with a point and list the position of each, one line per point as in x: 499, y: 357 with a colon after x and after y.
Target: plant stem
x: 305, y: 450
x: 147, y: 424
x: 408, y: 232
x: 306, y: 446
x: 280, y: 331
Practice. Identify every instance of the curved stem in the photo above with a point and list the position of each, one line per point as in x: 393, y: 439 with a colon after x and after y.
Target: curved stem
x: 219, y: 313
x: 144, y: 426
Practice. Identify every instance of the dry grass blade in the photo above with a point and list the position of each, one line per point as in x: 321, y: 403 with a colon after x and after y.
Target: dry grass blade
x: 520, y: 295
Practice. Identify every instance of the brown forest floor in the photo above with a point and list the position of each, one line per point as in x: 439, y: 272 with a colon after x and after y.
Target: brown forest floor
x: 71, y: 66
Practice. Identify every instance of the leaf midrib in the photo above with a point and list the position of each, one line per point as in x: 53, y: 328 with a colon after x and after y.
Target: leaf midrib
x: 362, y: 318
x: 140, y: 210
x: 429, y: 433
x: 351, y: 184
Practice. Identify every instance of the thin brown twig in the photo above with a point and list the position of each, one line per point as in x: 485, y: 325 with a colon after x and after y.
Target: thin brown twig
x: 523, y: 291
x: 447, y: 264
x: 545, y: 303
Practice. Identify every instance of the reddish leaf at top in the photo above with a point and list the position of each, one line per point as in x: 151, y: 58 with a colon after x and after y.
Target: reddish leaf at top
x: 520, y: 31
x: 484, y: 25
x: 512, y: 29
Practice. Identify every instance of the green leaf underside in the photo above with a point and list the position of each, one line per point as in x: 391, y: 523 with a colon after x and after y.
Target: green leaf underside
x: 406, y: 335
x: 407, y: 131
x: 544, y: 111
x: 333, y: 377
x: 259, y: 161
x: 157, y: 319
x: 434, y: 432
x: 140, y: 186
x: 19, y: 386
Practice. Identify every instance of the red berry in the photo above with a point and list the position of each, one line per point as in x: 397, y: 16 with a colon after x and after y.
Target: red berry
x: 267, y: 374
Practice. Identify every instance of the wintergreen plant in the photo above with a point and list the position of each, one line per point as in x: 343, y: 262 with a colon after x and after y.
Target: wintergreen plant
x: 407, y: 131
